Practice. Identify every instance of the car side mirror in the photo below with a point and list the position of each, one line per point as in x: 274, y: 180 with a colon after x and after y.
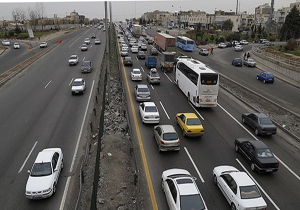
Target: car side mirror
x: 194, y: 178
x: 141, y: 104
x: 28, y: 171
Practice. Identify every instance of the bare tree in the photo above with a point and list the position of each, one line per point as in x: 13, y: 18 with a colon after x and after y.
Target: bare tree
x: 41, y: 13
x: 33, y: 18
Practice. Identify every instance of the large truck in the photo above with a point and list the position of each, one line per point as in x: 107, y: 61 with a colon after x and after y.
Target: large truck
x: 150, y: 61
x: 137, y: 30
x: 165, y: 42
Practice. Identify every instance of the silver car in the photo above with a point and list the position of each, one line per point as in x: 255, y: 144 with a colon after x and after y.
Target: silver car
x: 142, y: 92
x: 166, y: 138
x: 153, y: 76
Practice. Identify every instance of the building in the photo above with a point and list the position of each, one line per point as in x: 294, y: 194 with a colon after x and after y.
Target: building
x: 297, y: 5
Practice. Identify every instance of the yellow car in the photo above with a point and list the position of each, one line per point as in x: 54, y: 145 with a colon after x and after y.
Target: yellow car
x: 190, y: 124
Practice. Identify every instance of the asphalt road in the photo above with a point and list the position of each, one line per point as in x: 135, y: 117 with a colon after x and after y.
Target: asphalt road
x: 38, y: 111
x: 222, y: 125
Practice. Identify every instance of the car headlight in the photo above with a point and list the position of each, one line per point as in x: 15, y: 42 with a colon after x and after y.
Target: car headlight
x: 47, y: 191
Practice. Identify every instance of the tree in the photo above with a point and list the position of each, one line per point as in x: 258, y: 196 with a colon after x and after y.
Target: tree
x: 291, y: 26
x: 212, y: 37
x: 227, y: 25
x: 252, y: 35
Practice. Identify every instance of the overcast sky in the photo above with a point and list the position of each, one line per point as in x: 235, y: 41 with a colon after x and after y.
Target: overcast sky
x: 131, y: 9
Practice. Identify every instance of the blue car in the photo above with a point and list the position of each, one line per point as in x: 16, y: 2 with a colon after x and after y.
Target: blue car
x: 237, y: 62
x: 265, y: 77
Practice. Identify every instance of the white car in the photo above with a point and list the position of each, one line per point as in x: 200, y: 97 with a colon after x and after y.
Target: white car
x: 125, y: 48
x: 44, y: 174
x: 244, y: 42
x: 149, y: 112
x: 238, y: 48
x: 238, y: 188
x: 43, y: 44
x: 87, y: 41
x: 6, y: 43
x: 16, y: 45
x: 136, y: 74
x: 134, y: 49
x: 222, y: 45
x: 181, y: 190
x: 78, y: 86
x: 73, y: 60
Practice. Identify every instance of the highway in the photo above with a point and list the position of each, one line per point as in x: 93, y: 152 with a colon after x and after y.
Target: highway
x: 222, y: 125
x: 38, y: 111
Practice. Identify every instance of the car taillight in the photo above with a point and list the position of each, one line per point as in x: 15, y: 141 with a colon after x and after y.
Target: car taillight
x: 178, y: 142
x: 262, y: 166
x: 162, y: 142
x: 263, y: 129
x: 277, y: 165
x: 197, y: 100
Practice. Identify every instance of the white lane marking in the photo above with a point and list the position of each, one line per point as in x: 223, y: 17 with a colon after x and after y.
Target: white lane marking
x: 27, y: 157
x: 143, y: 69
x: 78, y: 38
x: 164, y: 110
x: 187, y: 152
x: 196, y: 110
x: 48, y: 84
x: 254, y: 137
x: 76, y: 150
x: 259, y: 186
x: 168, y: 77
x: 83, y: 59
x: 71, y: 81
x: 152, y: 86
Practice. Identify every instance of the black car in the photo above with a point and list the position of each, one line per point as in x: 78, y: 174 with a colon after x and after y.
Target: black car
x: 237, y: 62
x: 258, y: 154
x: 127, y: 61
x: 93, y: 36
x: 86, y: 66
x: 141, y: 55
x: 260, y: 123
x: 228, y: 44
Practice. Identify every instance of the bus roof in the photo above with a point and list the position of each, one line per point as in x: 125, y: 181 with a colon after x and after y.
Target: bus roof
x: 196, y: 65
x: 184, y: 37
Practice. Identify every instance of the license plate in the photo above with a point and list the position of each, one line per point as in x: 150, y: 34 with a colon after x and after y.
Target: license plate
x: 269, y: 170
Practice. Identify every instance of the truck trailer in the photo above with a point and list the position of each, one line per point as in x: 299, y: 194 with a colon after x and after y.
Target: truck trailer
x: 165, y: 42
x: 137, y: 30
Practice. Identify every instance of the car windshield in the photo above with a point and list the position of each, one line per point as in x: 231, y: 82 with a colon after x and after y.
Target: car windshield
x: 264, y: 153
x: 136, y: 72
x: 77, y: 83
x: 73, y: 57
x: 154, y: 75
x: 249, y: 192
x: 150, y: 109
x: 188, y: 202
x: 170, y: 136
x: 193, y: 121
x: 250, y: 60
x: 141, y: 53
x: 127, y: 59
x: 86, y: 64
x: 41, y: 169
x: 265, y: 121
x: 143, y: 90
x: 270, y: 75
x: 238, y: 60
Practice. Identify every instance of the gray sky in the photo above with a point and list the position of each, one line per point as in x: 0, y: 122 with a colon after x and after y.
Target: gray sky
x: 131, y: 9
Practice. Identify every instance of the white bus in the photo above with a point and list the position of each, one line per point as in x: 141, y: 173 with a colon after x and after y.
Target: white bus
x: 199, y: 83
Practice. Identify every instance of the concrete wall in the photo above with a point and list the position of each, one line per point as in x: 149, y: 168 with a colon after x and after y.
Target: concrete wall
x: 283, y: 66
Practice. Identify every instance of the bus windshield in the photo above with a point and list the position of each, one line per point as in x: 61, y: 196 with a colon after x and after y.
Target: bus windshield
x: 209, y: 79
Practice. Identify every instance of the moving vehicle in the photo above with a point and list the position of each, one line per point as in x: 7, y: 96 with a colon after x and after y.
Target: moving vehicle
x: 165, y: 42
x: 181, y: 190
x: 260, y: 122
x: 238, y: 48
x: 153, y: 76
x: 150, y: 61
x: 5, y: 43
x: 73, y: 60
x: 249, y: 62
x: 44, y: 174
x: 137, y: 30
x: 190, y: 124
x: 222, y: 45
x: 134, y: 49
x: 153, y: 51
x: 127, y: 61
x: 244, y: 42
x: 142, y: 92
x: 141, y: 55
x: 93, y: 35
x: 16, y: 45
x: 266, y: 77
x: 97, y: 41
x: 86, y: 66
x: 167, y: 61
x: 84, y: 47
x: 185, y: 43
x: 238, y: 188
x: 78, y: 86
x: 124, y: 53
x: 203, y: 51
x: 144, y: 47
x: 166, y: 138
x: 149, y: 112
x: 43, y: 44
x: 87, y: 41
x: 136, y: 74
x: 257, y: 154
x: 199, y: 83
x: 237, y: 62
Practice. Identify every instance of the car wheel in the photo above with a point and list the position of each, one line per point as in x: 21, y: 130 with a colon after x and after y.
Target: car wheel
x: 183, y: 133
x: 233, y: 206
x: 256, y: 132
x: 252, y: 167
x: 54, y: 188
x: 62, y: 164
x: 243, y: 120
x: 188, y: 97
x: 236, y: 148
x: 73, y: 93
x: 215, y: 179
